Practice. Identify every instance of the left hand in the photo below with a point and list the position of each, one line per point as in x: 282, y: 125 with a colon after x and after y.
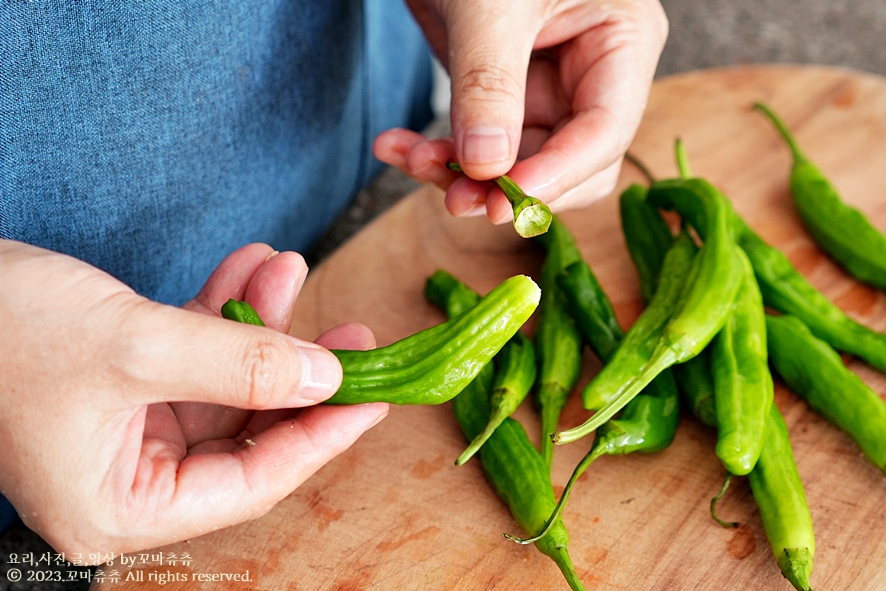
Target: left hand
x: 557, y: 86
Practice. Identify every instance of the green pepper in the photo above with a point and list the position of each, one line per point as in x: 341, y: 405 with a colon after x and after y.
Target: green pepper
x: 778, y: 491
x: 649, y: 421
x: 815, y: 372
x: 590, y: 308
x: 743, y: 389
x: 558, y: 343
x: 510, y: 463
x: 842, y: 231
x: 515, y: 363
x: 531, y: 216
x: 518, y: 474
x: 648, y: 238
x: 786, y: 290
x: 241, y: 312
x: 705, y: 300
x: 432, y: 366
x: 640, y: 342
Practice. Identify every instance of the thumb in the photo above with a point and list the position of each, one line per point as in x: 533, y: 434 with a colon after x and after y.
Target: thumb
x: 186, y: 356
x: 490, y: 43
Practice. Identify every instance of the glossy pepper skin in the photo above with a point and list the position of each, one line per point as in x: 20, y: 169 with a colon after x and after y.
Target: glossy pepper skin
x: 649, y: 422
x: 842, y: 231
x: 786, y: 290
x: 515, y: 363
x: 815, y: 372
x: 589, y: 306
x: 558, y: 342
x: 241, y: 312
x: 510, y: 462
x: 627, y: 372
x: 778, y: 491
x: 648, y: 238
x: 743, y: 389
x: 432, y: 366
x: 705, y: 300
x: 517, y: 473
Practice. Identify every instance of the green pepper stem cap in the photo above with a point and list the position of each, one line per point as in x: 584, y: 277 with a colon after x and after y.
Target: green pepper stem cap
x: 531, y: 216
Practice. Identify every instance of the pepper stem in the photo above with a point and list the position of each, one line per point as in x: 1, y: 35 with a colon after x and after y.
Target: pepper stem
x: 784, y: 131
x: 596, y: 452
x: 661, y: 359
x: 641, y: 166
x: 550, y: 393
x: 496, y: 418
x: 682, y: 159
x: 531, y: 216
x: 716, y: 500
x: 564, y: 562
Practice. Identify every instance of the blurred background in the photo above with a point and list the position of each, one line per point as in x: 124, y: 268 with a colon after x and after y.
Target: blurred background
x: 703, y: 34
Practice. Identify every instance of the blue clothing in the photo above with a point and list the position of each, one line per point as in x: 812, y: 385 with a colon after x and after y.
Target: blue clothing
x: 151, y: 138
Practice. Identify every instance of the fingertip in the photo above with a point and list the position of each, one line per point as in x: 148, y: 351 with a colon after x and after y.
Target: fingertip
x: 427, y: 161
x: 349, y: 336
x: 275, y: 286
x: 498, y: 209
x: 230, y: 279
x: 380, y: 410
x: 466, y: 197
x: 393, y: 145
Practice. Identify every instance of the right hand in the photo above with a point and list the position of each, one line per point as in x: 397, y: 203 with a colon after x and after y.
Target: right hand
x: 97, y: 459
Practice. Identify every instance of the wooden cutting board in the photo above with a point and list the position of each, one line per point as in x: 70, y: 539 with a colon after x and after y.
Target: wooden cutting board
x: 394, y: 513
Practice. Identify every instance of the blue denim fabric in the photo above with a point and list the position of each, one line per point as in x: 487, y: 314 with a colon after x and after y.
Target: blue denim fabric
x: 151, y: 138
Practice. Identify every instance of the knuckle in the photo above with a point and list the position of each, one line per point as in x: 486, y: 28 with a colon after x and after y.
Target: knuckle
x: 489, y: 81
x: 260, y: 376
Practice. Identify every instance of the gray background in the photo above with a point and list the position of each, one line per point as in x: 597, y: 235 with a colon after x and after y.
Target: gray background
x: 704, y: 34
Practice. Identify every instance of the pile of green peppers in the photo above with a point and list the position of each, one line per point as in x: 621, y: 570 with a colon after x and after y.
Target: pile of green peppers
x: 705, y: 340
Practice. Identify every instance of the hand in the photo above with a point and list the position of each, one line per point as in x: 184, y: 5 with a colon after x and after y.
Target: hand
x: 95, y: 457
x: 559, y: 86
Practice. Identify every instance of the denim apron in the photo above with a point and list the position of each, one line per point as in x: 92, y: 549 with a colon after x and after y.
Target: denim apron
x: 151, y: 138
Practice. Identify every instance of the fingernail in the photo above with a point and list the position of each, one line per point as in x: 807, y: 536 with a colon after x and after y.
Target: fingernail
x: 272, y: 255
x: 377, y: 420
x: 485, y: 145
x: 321, y: 374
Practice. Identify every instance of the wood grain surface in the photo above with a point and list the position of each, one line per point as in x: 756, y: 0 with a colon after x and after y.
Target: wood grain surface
x: 394, y: 513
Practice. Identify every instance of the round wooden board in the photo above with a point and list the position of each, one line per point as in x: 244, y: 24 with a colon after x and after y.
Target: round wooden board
x: 394, y: 513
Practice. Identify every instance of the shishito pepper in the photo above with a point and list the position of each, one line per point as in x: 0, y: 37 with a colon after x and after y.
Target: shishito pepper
x: 515, y: 363
x: 432, y: 366
x: 786, y: 290
x: 815, y: 372
x: 648, y: 239
x: 558, y: 342
x: 511, y: 464
x: 704, y: 303
x: 842, y: 231
x: 531, y: 216
x: 743, y: 389
x: 778, y: 491
x: 649, y: 422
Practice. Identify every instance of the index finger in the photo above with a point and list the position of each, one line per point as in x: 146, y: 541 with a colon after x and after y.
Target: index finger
x: 608, y: 70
